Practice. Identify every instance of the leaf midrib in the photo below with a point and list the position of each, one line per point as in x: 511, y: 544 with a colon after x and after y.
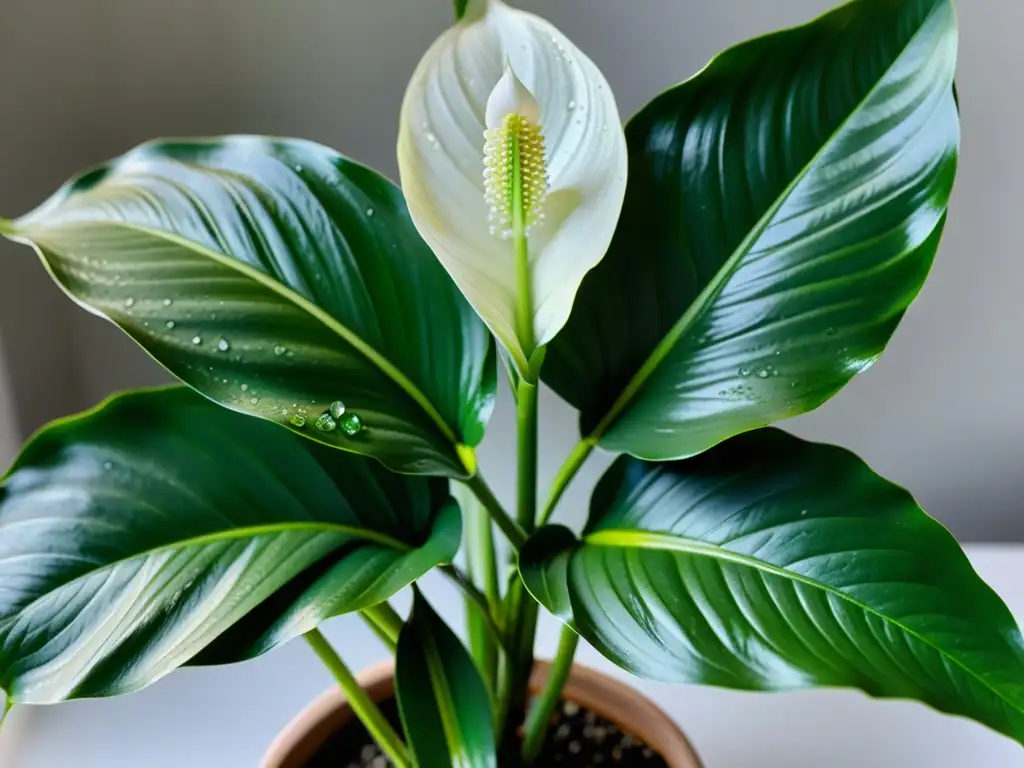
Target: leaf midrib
x: 702, y: 303
x: 236, y: 534
x: 663, y: 542
x: 445, y: 703
x: 371, y: 354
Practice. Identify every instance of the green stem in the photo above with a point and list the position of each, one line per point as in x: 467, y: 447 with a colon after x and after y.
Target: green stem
x: 512, y: 530
x: 379, y: 632
x: 477, y: 599
x: 364, y: 707
x: 385, y: 623
x: 526, y: 467
x: 543, y: 707
x: 480, y: 558
x: 6, y: 227
x: 483, y: 574
x: 521, y: 615
x: 565, y: 476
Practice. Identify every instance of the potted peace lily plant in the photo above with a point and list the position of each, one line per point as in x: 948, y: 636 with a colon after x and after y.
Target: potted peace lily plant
x: 733, y: 257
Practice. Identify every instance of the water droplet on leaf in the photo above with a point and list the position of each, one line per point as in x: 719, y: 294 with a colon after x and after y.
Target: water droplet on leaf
x: 337, y: 409
x: 325, y: 423
x: 170, y: 325
x: 279, y: 350
x: 351, y: 424
x: 223, y: 345
x: 197, y: 340
x: 298, y: 421
x: 129, y: 302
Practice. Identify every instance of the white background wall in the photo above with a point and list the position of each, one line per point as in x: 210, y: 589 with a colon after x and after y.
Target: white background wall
x: 8, y: 425
x: 82, y: 80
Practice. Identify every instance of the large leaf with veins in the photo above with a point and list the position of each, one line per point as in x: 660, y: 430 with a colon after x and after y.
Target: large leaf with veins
x: 161, y: 526
x: 769, y: 563
x: 784, y: 207
x: 277, y: 277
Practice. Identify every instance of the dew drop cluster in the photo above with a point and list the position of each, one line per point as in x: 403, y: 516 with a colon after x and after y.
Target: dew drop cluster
x: 336, y: 417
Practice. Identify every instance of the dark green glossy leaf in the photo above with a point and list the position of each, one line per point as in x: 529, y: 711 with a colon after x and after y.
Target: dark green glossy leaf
x: 769, y: 563
x: 783, y: 210
x: 277, y: 277
x: 444, y: 704
x: 135, y: 536
x: 544, y: 567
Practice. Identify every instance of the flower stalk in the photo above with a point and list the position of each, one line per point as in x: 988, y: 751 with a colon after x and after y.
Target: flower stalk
x: 366, y: 710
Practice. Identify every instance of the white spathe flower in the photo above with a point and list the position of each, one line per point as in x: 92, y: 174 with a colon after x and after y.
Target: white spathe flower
x: 509, y: 133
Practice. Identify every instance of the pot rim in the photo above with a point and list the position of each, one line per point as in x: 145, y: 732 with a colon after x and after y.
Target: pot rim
x: 606, y: 696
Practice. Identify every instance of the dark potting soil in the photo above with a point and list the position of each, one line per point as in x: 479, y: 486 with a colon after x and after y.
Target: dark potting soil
x: 577, y: 738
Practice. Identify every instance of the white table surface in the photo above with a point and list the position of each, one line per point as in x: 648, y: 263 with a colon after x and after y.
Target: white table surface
x: 225, y: 717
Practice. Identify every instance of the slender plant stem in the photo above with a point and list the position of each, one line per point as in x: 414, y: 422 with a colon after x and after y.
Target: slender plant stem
x: 512, y: 530
x: 507, y: 673
x: 484, y: 571
x: 6, y: 227
x: 364, y: 707
x: 521, y: 613
x: 544, y: 705
x: 477, y: 599
x: 380, y: 633
x: 565, y: 476
x: 483, y: 574
x: 526, y: 448
x: 385, y: 623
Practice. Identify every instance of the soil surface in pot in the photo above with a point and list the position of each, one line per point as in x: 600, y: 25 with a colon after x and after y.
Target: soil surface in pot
x: 578, y: 737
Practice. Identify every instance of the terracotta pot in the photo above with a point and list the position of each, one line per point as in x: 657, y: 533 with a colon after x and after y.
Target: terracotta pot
x: 606, y: 697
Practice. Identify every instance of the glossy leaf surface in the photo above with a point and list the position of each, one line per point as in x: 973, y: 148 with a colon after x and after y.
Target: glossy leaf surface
x: 784, y: 207
x: 277, y: 277
x: 444, y: 704
x: 769, y: 563
x: 135, y: 536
